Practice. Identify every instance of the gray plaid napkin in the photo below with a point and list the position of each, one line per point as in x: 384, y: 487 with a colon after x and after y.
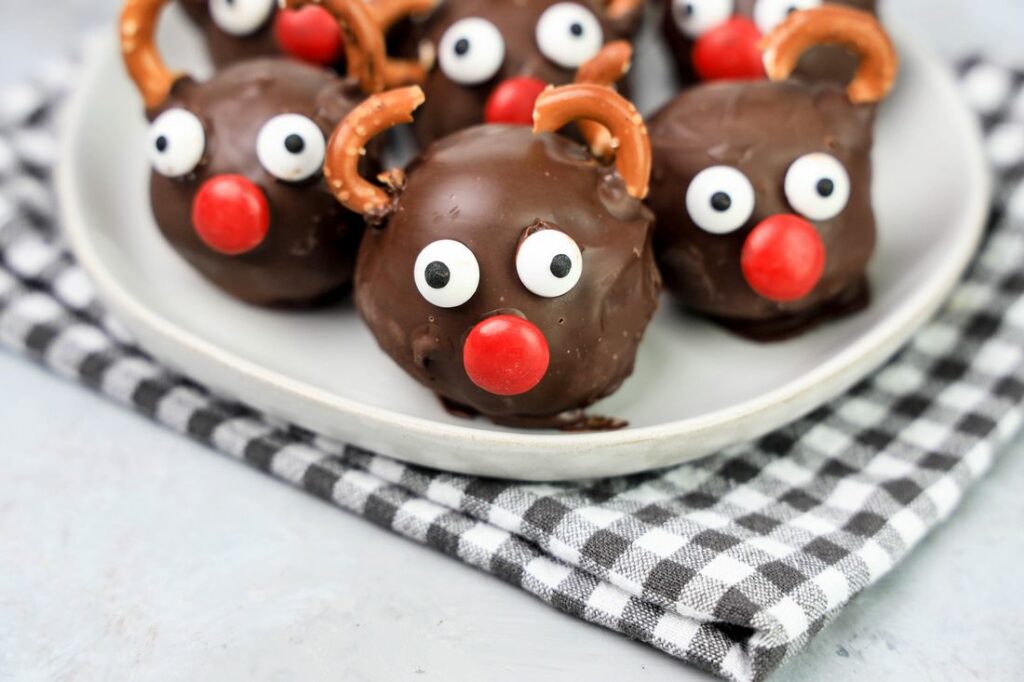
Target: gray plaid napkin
x: 732, y: 563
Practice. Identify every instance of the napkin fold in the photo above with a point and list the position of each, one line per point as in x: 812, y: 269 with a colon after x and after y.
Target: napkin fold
x: 731, y: 563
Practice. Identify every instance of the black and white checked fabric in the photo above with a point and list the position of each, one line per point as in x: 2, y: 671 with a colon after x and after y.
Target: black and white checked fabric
x: 732, y: 563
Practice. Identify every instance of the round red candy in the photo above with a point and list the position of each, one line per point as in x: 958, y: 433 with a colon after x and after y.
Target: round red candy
x: 506, y: 355
x: 783, y: 258
x: 512, y: 101
x: 311, y: 34
x: 231, y: 214
x: 729, y: 52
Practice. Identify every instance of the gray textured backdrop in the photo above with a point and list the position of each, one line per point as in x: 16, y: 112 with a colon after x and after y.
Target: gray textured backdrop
x: 161, y: 576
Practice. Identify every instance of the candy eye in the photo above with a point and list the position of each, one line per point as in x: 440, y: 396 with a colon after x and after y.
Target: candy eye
x: 176, y: 143
x: 471, y: 51
x: 569, y: 34
x: 549, y: 263
x: 697, y: 17
x: 240, y: 17
x: 291, y: 147
x: 770, y: 13
x: 720, y: 200
x: 447, y: 273
x: 818, y: 186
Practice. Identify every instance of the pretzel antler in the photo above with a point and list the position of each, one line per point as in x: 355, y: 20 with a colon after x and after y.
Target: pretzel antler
x: 835, y: 25
x: 365, y: 48
x: 141, y: 56
x: 557, y: 107
x: 616, y: 9
x: 606, y: 68
x: 348, y: 145
x: 387, y: 13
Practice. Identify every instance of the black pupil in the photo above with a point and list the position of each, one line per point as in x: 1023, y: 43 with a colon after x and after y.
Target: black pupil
x: 161, y: 144
x: 576, y: 29
x: 462, y: 46
x: 437, y: 275
x: 688, y: 10
x: 561, y: 266
x: 826, y: 187
x: 721, y: 202
x: 294, y: 143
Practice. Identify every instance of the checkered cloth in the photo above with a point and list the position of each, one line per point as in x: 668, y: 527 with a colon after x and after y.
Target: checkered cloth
x: 732, y: 563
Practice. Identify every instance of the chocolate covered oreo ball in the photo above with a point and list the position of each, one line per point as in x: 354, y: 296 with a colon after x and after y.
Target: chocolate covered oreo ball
x: 508, y: 271
x: 239, y: 30
x: 762, y: 191
x: 492, y: 58
x: 718, y: 39
x: 237, y: 186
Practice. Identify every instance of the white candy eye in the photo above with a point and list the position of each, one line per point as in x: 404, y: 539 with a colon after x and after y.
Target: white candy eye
x: 447, y: 273
x: 770, y: 13
x: 549, y: 263
x: 818, y: 186
x: 176, y: 143
x: 291, y: 147
x: 697, y: 17
x: 471, y: 51
x: 240, y: 17
x: 720, y: 200
x: 569, y: 34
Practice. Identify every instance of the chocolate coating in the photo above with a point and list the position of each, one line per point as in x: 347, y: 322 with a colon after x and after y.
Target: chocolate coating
x: 489, y: 187
x: 452, y: 106
x: 760, y: 129
x: 824, y: 63
x: 227, y: 49
x: 309, y: 251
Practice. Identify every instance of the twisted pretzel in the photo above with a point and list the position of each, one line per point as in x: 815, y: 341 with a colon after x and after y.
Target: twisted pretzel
x: 834, y: 25
x: 557, y: 107
x: 348, y: 145
x: 139, y: 51
x: 606, y: 68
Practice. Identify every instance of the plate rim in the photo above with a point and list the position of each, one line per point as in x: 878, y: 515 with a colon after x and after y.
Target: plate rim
x: 855, y: 360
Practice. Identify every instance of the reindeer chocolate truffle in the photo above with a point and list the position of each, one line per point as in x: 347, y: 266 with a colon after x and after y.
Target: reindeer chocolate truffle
x: 237, y: 186
x: 718, y: 39
x: 237, y: 30
x: 494, y: 57
x: 509, y: 271
x: 762, y: 191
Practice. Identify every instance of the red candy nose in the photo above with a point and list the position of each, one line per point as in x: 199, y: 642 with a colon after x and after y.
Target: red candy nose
x: 512, y: 101
x: 783, y: 258
x: 231, y: 214
x: 310, y: 34
x: 729, y: 52
x: 506, y: 355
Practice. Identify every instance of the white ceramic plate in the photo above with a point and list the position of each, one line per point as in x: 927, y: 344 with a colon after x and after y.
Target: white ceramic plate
x: 696, y: 388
